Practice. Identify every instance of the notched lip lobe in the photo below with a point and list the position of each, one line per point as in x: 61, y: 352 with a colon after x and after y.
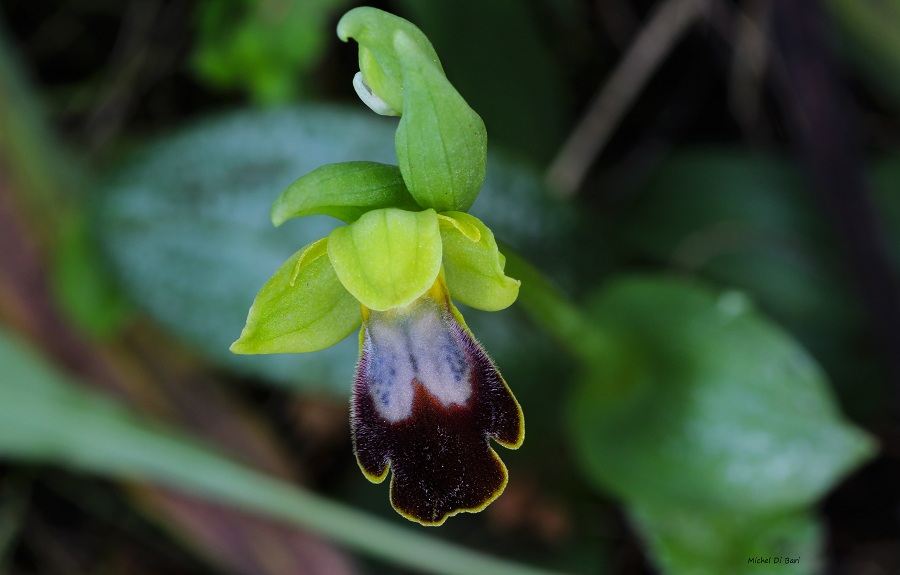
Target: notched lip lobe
x: 430, y: 412
x: 433, y: 446
x: 425, y: 402
x: 421, y: 395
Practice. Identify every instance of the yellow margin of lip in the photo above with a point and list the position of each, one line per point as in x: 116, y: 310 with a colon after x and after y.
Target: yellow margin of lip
x: 458, y: 316
x: 371, y: 477
x: 439, y: 293
x: 490, y: 499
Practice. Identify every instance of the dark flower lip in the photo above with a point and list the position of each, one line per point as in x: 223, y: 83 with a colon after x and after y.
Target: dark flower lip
x: 439, y: 450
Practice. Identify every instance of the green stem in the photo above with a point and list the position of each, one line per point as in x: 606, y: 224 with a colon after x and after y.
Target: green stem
x: 553, y: 311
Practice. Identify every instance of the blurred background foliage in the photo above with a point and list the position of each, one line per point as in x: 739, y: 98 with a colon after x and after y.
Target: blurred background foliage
x: 710, y: 185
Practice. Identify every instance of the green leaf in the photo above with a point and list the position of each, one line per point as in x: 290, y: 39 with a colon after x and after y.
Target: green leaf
x: 264, y: 49
x: 379, y: 61
x: 441, y: 142
x: 868, y: 29
x: 713, y: 426
x: 728, y: 189
x: 473, y: 266
x: 82, y: 283
x: 748, y: 221
x: 303, y: 307
x: 684, y: 541
x: 184, y: 223
x: 388, y: 257
x: 745, y: 220
x: 45, y: 418
x: 344, y: 191
x: 734, y: 415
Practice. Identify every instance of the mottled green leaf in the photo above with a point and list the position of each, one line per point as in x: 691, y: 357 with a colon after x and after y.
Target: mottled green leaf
x: 745, y: 220
x: 473, y: 266
x: 725, y: 190
x: 714, y: 407
x: 303, y: 307
x: 388, y: 257
x: 441, y: 142
x: 749, y: 221
x: 685, y: 541
x: 184, y: 223
x: 344, y: 191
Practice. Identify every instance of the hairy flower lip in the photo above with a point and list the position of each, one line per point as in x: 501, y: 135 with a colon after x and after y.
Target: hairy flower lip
x: 437, y: 443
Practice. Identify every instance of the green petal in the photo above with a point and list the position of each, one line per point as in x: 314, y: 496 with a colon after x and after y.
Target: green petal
x: 473, y: 266
x: 303, y: 307
x: 441, y: 142
x: 344, y: 191
x: 379, y: 62
x: 388, y: 257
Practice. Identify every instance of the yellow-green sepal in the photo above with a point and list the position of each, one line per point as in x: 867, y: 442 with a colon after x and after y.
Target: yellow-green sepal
x: 345, y: 191
x: 387, y: 258
x: 441, y: 142
x: 473, y: 265
x: 302, y: 308
x: 379, y: 62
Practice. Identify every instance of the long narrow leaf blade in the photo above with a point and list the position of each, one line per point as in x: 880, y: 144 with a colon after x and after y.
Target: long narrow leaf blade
x: 45, y: 418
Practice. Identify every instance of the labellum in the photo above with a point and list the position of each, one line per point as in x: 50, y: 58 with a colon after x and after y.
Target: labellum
x: 426, y: 401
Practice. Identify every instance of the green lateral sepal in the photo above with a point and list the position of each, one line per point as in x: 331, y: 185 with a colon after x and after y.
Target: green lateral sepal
x: 302, y: 308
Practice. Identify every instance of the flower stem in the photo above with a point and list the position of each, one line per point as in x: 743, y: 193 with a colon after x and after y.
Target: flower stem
x: 553, y: 311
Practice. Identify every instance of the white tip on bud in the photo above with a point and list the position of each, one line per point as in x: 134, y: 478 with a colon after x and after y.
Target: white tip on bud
x: 370, y: 98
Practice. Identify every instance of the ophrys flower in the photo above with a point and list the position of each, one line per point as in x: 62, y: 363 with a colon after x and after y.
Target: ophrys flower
x: 427, y: 398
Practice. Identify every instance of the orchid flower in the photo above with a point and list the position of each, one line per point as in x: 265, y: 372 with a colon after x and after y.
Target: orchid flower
x: 427, y: 398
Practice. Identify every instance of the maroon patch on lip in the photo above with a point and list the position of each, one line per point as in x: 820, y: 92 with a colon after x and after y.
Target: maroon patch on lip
x: 441, y: 459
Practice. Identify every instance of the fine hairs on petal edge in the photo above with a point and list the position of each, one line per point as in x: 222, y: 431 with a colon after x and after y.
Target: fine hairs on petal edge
x: 495, y: 414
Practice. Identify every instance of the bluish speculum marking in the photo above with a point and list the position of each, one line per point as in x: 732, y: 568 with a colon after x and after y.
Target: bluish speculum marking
x: 409, y: 345
x: 425, y: 402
